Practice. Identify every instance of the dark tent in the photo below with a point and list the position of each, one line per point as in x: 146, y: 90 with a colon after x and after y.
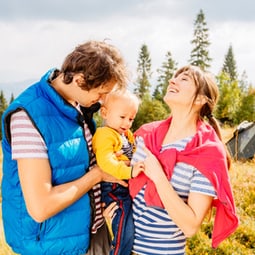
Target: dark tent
x: 242, y: 144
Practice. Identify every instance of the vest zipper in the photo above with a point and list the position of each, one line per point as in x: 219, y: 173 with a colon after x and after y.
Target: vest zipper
x: 38, y: 237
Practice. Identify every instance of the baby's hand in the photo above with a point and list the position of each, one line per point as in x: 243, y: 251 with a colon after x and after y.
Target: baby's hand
x: 120, y: 153
x: 137, y: 168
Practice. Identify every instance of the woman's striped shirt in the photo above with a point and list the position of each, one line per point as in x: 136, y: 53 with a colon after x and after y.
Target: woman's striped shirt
x: 155, y: 232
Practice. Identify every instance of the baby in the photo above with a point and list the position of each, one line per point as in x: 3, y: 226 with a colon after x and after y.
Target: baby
x: 118, y: 112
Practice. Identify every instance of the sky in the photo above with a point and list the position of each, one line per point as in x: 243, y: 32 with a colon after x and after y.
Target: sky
x: 37, y: 35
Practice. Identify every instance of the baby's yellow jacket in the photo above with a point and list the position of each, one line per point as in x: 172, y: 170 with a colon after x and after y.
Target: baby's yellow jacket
x: 106, y: 142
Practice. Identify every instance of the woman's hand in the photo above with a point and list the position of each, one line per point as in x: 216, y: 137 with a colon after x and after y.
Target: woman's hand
x: 153, y: 168
x: 109, y: 212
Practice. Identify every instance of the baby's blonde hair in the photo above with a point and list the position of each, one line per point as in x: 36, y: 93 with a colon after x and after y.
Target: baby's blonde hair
x: 120, y: 94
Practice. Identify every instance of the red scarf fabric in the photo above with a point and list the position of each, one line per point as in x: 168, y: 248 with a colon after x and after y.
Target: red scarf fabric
x: 207, y: 154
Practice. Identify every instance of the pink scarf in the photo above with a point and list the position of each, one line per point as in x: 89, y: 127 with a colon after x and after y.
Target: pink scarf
x: 207, y: 154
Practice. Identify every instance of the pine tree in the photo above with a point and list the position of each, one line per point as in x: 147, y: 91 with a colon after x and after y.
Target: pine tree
x: 230, y: 99
x: 12, y: 98
x: 144, y: 72
x: 166, y: 72
x: 229, y: 65
x: 246, y: 111
x: 200, y: 54
x: 243, y: 83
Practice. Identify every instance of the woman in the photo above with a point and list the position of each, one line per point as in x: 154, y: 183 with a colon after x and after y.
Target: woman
x: 47, y: 152
x: 186, y: 170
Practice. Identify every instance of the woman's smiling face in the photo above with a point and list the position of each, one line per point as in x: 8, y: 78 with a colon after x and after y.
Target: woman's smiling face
x: 181, y: 90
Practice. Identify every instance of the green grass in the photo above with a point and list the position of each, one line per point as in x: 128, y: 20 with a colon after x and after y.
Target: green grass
x: 242, y: 242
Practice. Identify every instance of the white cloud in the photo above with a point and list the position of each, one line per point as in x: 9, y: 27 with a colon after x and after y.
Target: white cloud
x: 242, y: 38
x: 32, y: 41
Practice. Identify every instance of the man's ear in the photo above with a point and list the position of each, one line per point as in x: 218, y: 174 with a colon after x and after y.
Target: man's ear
x: 78, y: 78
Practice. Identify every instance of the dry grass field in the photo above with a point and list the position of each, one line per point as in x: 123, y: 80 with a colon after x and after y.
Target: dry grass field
x: 242, y: 242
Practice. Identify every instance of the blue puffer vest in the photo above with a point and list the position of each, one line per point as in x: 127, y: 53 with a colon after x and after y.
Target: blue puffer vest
x: 68, y: 232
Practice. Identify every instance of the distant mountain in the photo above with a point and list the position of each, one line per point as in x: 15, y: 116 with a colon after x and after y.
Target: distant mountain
x: 15, y: 88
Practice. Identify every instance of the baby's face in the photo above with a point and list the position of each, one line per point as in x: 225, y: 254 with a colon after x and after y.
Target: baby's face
x: 120, y: 115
